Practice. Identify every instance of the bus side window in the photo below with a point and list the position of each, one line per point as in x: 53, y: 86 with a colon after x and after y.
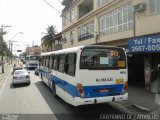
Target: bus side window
x: 45, y: 61
x: 52, y: 62
x: 70, y: 64
x: 42, y: 61
x: 54, y: 66
x: 62, y: 63
x: 48, y: 62
x: 46, y: 65
x: 56, y: 62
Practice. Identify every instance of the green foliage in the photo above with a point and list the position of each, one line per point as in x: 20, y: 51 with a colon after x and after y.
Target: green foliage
x: 4, y: 48
x: 48, y: 38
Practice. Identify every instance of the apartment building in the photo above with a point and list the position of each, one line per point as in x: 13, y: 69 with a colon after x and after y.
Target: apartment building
x: 56, y: 44
x: 34, y: 50
x: 132, y: 24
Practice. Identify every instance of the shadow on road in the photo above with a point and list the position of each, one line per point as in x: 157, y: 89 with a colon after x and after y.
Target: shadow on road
x: 18, y: 86
x: 64, y: 111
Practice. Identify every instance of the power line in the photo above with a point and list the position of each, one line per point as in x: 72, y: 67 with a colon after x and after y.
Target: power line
x: 64, y: 15
x: 56, y: 10
x: 51, y: 6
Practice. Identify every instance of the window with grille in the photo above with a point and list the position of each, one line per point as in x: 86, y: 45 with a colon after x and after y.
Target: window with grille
x: 154, y: 6
x: 117, y: 20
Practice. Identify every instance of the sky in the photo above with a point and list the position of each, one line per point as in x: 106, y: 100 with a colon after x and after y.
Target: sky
x: 31, y: 17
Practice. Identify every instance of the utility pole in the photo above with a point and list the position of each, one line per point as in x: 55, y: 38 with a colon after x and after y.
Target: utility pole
x: 1, y: 35
x: 11, y: 51
x: 2, y: 43
x: 11, y: 44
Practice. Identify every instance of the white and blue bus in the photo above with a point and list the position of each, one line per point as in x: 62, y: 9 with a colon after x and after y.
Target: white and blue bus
x: 32, y: 61
x: 86, y: 74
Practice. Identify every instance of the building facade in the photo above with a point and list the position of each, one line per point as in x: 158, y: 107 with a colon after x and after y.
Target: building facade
x: 56, y: 44
x: 35, y: 50
x: 116, y: 23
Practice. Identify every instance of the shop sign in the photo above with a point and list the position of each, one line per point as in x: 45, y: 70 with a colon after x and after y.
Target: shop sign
x: 145, y: 44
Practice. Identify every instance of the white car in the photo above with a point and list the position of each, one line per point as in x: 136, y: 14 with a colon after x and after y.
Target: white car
x: 21, y: 77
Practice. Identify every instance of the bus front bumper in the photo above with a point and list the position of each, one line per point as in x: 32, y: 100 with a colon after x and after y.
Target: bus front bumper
x: 79, y: 101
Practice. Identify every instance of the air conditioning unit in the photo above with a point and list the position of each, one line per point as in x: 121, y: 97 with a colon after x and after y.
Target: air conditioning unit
x: 141, y: 7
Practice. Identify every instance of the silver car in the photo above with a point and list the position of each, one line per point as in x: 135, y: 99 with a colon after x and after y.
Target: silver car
x: 20, y: 77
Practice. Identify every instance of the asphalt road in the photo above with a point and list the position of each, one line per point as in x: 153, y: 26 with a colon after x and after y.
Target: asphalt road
x: 35, y: 102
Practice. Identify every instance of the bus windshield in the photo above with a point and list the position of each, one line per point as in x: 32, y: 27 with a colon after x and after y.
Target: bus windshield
x: 102, y: 58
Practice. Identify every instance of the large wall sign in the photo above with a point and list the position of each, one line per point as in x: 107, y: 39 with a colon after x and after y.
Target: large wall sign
x: 145, y: 44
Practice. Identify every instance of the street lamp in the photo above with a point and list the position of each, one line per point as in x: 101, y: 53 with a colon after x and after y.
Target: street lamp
x: 14, y: 37
x: 11, y: 50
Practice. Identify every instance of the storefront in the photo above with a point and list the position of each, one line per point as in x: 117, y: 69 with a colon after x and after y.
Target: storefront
x: 145, y: 59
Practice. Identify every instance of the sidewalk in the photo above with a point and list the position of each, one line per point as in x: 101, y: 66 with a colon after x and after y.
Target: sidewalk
x: 139, y: 102
x: 3, y: 75
x: 138, y: 96
x: 7, y: 67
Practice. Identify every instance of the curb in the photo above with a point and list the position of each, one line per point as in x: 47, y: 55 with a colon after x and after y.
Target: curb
x: 7, y: 71
x: 127, y: 108
x: 141, y: 108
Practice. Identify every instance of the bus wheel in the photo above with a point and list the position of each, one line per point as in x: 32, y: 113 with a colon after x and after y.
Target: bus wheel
x: 54, y: 89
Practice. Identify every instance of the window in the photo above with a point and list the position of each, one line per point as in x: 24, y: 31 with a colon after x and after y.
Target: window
x: 105, y: 58
x: 27, y: 58
x: 56, y: 62
x: 86, y: 31
x: 62, y: 60
x: 48, y: 61
x: 52, y: 62
x: 41, y: 61
x: 154, y: 6
x: 70, y: 64
x: 117, y: 20
x: 21, y: 72
x: 65, y: 38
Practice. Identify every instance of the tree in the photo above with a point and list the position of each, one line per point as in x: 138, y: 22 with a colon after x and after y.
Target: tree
x: 48, y: 38
x: 4, y: 48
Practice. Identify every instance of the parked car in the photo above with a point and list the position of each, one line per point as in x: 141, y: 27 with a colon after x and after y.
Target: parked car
x: 21, y: 77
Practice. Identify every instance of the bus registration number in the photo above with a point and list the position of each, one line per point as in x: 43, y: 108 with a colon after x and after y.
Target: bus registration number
x: 119, y: 81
